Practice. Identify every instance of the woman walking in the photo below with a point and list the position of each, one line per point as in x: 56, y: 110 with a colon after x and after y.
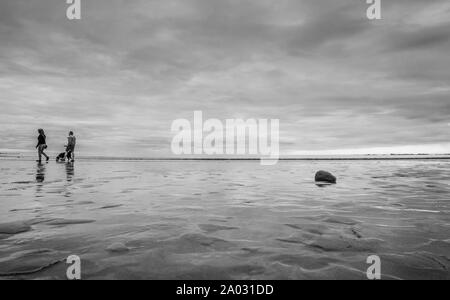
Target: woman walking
x: 42, y: 145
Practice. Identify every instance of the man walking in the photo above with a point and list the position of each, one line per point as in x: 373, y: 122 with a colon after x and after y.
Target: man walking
x: 71, y: 142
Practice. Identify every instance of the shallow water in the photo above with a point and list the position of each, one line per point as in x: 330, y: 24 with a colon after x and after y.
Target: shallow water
x: 224, y: 219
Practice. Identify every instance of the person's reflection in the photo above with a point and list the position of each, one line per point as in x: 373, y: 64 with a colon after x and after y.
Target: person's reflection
x: 40, y: 178
x: 40, y: 173
x: 70, y: 171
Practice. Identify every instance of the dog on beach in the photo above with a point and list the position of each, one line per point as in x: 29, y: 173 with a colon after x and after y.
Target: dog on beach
x: 61, y: 157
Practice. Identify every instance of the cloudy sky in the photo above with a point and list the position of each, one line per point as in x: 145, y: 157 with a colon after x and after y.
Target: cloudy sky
x: 119, y: 77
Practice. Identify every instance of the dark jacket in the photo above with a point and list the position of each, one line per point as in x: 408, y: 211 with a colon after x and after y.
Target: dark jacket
x: 41, y: 140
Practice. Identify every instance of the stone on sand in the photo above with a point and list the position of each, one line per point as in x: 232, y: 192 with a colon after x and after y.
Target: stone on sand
x: 324, y: 176
x: 14, y: 227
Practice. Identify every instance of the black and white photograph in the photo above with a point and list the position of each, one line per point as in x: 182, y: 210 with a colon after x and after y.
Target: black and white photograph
x: 246, y: 142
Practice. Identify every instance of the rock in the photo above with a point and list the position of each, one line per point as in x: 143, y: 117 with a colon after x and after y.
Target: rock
x: 14, y: 228
x: 118, y: 248
x: 323, y: 176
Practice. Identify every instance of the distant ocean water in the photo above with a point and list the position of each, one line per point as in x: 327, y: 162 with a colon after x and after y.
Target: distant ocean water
x: 224, y: 219
x: 32, y: 156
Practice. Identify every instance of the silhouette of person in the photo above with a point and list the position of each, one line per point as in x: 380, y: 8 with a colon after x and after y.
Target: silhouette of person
x: 41, y: 145
x: 71, y: 142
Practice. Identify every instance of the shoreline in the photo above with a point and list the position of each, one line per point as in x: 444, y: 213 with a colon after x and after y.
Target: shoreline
x: 390, y: 158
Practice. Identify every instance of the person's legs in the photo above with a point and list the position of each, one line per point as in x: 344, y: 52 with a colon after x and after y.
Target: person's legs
x: 72, y: 154
x: 43, y: 153
x: 39, y: 154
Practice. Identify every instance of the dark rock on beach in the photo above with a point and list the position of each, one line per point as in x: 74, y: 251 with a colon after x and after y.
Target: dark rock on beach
x: 323, y: 176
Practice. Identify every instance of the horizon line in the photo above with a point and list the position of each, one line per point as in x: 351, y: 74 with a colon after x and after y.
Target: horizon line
x: 420, y: 156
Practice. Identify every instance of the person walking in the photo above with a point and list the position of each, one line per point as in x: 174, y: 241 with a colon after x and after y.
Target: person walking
x: 41, y: 145
x: 71, y: 142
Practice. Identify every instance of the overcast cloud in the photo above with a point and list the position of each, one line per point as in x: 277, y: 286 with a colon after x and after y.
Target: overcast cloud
x: 119, y: 77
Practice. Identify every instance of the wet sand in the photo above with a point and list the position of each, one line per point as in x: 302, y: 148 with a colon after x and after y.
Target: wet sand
x: 224, y: 219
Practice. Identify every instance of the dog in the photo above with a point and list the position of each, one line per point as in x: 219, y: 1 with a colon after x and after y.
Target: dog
x: 61, y: 157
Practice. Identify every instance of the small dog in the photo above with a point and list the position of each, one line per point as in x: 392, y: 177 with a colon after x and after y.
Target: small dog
x: 61, y: 157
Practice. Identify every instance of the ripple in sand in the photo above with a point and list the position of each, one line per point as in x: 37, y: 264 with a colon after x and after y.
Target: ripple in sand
x: 334, y: 241
x: 420, y: 265
x: 344, y: 244
x: 29, y: 262
x: 117, y: 248
x: 196, y: 243
x: 85, y: 202
x: 304, y: 261
x: 440, y: 247
x: 336, y: 272
x: 340, y: 220
x: 210, y: 228
x: 111, y: 206
x: 64, y: 222
x: 22, y: 209
x: 4, y: 236
x: 14, y: 227
x: 310, y: 228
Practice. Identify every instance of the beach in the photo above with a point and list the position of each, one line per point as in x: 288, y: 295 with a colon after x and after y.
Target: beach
x: 165, y: 219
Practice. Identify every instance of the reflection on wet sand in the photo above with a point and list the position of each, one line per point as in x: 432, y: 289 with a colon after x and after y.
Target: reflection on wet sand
x: 40, y: 173
x: 40, y: 178
x: 225, y: 220
x: 70, y: 171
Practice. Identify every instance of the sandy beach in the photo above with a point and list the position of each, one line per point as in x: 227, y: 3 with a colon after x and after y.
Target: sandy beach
x: 224, y: 219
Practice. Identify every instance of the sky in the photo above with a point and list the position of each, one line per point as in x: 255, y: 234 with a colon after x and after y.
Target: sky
x: 119, y: 77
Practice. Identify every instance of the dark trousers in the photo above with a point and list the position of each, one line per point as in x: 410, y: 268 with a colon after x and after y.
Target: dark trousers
x: 70, y: 152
